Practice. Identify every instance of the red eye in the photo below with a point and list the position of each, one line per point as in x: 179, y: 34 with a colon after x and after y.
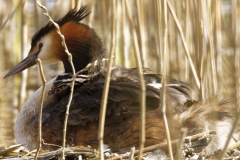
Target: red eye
x: 40, y: 45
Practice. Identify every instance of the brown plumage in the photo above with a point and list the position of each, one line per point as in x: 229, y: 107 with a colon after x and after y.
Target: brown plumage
x: 121, y: 135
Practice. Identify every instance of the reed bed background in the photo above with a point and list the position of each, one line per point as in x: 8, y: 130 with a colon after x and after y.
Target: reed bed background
x: 207, y: 28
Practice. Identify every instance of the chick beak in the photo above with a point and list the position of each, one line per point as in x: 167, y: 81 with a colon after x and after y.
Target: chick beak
x: 24, y: 64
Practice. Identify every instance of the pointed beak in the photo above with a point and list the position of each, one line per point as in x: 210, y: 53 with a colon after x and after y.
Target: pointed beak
x: 26, y: 63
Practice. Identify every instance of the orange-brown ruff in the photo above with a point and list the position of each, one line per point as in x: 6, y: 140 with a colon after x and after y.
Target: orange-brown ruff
x: 122, y: 119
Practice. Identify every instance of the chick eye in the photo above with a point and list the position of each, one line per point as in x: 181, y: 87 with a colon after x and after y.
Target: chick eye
x: 40, y: 45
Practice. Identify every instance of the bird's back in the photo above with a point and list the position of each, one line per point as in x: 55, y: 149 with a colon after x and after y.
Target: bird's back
x: 123, y: 108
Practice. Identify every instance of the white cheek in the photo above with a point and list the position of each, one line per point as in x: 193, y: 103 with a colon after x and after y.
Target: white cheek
x: 46, y: 54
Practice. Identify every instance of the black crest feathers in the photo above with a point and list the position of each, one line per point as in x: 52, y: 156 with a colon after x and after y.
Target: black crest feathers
x: 74, y: 15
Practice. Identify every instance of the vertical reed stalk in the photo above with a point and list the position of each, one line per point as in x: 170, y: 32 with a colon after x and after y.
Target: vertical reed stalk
x: 107, y: 83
